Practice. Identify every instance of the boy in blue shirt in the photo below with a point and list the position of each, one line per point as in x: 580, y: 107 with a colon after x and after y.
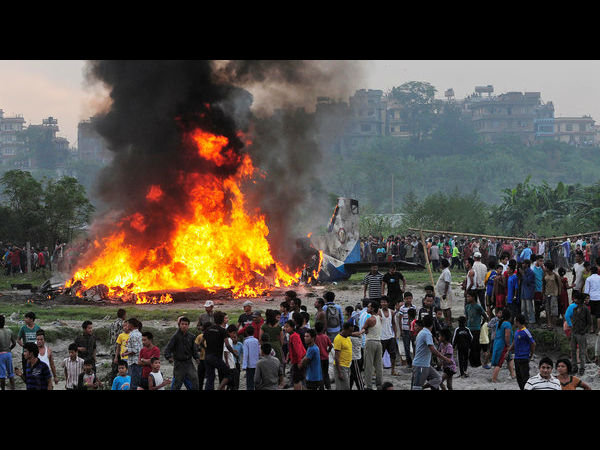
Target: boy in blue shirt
x: 122, y: 382
x: 524, y: 346
x: 312, y: 362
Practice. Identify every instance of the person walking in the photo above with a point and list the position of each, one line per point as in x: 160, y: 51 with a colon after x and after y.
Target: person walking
x: 180, y: 351
x: 373, y: 352
x: 524, y: 347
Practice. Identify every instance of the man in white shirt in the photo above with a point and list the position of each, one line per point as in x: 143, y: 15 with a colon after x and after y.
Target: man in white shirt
x: 480, y: 272
x: 592, y: 290
x: 578, y: 270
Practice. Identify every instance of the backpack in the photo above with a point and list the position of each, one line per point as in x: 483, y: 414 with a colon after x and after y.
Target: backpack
x: 332, y: 317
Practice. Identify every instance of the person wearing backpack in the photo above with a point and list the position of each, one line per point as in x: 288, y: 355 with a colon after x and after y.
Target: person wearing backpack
x: 333, y: 315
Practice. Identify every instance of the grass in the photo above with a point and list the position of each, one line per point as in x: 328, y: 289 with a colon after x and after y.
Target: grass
x: 412, y: 277
x: 35, y: 279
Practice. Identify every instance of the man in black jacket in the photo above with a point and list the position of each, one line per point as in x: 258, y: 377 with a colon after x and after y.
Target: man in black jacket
x: 179, y: 351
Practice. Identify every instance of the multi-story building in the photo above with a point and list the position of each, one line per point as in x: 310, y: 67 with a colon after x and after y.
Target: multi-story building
x: 579, y: 131
x: 90, y: 145
x: 368, y: 114
x: 11, y: 140
x: 514, y: 113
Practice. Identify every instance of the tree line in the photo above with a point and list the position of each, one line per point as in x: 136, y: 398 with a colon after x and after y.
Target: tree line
x: 42, y: 212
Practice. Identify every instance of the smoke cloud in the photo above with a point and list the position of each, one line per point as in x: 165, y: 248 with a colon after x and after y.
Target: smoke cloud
x: 154, y: 103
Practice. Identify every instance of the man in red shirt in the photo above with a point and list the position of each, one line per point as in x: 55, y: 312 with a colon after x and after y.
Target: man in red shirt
x: 257, y: 323
x: 148, y: 351
x: 15, y: 260
x: 295, y: 354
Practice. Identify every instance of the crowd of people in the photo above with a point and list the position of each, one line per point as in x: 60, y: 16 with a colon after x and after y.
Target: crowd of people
x: 456, y: 250
x: 62, y: 258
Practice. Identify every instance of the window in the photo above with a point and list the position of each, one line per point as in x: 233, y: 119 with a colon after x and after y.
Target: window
x: 569, y: 127
x: 365, y: 127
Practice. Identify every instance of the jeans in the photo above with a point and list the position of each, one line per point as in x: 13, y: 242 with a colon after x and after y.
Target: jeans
x: 182, y: 370
x: 528, y: 310
x: 135, y: 372
x: 212, y: 362
x: 250, y: 371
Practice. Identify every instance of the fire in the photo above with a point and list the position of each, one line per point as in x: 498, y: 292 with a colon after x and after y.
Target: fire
x: 316, y: 272
x: 217, y: 244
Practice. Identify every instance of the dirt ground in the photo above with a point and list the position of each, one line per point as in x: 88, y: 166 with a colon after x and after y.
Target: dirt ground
x: 349, y: 294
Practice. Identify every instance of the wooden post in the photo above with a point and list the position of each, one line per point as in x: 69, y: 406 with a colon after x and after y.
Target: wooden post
x: 28, y: 257
x: 392, y: 193
x: 427, y: 259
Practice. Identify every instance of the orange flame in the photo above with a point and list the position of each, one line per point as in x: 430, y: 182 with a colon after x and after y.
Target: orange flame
x: 218, y: 246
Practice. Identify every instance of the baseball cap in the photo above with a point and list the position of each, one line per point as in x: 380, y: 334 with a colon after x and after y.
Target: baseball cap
x: 247, y: 303
x: 209, y: 303
x: 477, y: 255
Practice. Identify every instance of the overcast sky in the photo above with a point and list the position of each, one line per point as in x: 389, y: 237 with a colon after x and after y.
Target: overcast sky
x: 38, y: 89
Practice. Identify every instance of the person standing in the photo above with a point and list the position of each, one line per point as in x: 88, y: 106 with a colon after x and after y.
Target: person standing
x: 528, y: 291
x: 393, y: 290
x: 524, y: 347
x: 480, y: 270
x: 251, y: 356
x: 312, y: 363
x: 373, y: 283
x: 538, y: 297
x: 115, y: 329
x: 475, y: 315
x: 180, y: 351
x: 423, y: 375
x: 461, y: 341
x: 7, y: 343
x: 388, y: 332
x: 443, y: 288
x: 27, y: 333
x: 578, y: 270
x: 37, y: 376
x: 325, y: 346
x: 133, y: 348
x: 342, y: 346
x: 295, y: 355
x: 86, y: 342
x: 591, y: 288
x: 551, y: 290
x: 581, y: 320
x: 45, y: 354
x: 208, y: 316
x: 266, y: 376
x: 373, y: 353
x: 405, y: 326
x: 148, y: 352
x: 334, y: 317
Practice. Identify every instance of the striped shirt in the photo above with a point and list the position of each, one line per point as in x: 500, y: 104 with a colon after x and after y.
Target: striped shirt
x: 537, y: 383
x: 373, y: 283
x: 73, y: 369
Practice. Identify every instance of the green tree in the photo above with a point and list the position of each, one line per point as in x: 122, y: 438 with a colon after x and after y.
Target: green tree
x: 418, y: 106
x: 23, y: 196
x: 66, y: 208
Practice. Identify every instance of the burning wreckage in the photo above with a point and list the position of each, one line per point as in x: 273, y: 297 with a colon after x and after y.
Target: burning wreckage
x: 188, y: 208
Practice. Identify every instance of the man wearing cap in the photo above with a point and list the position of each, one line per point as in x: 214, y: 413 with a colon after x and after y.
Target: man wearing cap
x: 208, y: 316
x: 246, y: 317
x: 480, y: 273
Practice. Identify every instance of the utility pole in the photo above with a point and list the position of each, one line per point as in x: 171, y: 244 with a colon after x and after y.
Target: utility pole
x: 392, y: 193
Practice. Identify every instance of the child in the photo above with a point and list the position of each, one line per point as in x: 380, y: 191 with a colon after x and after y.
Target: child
x: 87, y: 379
x: 412, y: 318
x: 250, y: 358
x: 233, y: 361
x: 461, y: 341
x: 122, y: 382
x: 484, y: 343
x: 499, y: 289
x: 445, y: 348
x: 437, y: 302
x: 325, y: 347
x: 156, y: 382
